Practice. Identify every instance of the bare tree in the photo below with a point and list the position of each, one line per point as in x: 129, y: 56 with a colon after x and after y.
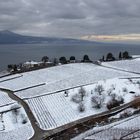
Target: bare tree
x: 82, y: 93
x: 76, y: 98
x: 15, y: 111
x: 99, y: 89
x: 81, y: 107
x: 96, y: 102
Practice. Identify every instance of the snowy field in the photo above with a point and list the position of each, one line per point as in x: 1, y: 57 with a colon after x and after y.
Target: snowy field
x: 5, y: 99
x: 47, y: 75
x: 13, y: 119
x: 60, y: 78
x: 55, y: 74
x: 54, y: 110
x: 24, y: 133
x: 129, y: 65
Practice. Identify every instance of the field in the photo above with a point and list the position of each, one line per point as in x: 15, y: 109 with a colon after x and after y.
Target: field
x: 5, y: 99
x: 12, y: 116
x: 23, y: 133
x: 128, y: 65
x: 54, y: 110
x: 59, y: 78
x: 55, y: 98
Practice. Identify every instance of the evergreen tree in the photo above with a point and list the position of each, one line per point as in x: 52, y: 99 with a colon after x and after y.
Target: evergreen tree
x: 72, y: 59
x: 120, y: 55
x: 103, y: 58
x: 126, y: 55
x: 86, y: 59
x: 110, y: 57
x: 63, y: 60
x: 45, y: 59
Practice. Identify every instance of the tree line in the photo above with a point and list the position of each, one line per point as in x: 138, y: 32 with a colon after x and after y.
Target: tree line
x: 121, y: 56
x: 46, y: 62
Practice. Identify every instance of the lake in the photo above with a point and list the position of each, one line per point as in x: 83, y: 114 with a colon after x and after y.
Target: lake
x: 14, y: 54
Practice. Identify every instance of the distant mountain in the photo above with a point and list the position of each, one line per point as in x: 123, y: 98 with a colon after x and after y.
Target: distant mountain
x: 8, y: 37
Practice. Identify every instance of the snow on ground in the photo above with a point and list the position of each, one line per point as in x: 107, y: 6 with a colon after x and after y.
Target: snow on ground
x: 13, y: 119
x: 47, y: 75
x: 65, y: 72
x: 135, y: 56
x: 114, y: 130
x: 11, y: 77
x: 80, y: 74
x: 59, y: 109
x: 5, y: 99
x: 54, y: 110
x: 129, y: 65
x: 24, y: 133
x: 14, y: 124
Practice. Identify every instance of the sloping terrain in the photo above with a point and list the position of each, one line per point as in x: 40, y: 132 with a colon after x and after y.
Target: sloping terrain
x: 132, y: 65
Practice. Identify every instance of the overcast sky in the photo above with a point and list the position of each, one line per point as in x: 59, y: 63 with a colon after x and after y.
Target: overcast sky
x: 89, y: 19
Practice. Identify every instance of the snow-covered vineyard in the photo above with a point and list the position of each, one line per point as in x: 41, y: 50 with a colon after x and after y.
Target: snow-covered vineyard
x: 5, y: 99
x: 59, y: 78
x: 129, y: 65
x: 22, y: 133
x: 13, y: 119
x: 66, y: 93
x: 60, y: 109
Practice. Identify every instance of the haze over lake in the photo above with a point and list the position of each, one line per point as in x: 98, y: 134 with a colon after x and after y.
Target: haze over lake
x: 14, y: 54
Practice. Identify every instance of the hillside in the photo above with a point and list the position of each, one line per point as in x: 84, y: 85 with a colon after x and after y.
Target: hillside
x: 8, y: 37
x: 50, y: 99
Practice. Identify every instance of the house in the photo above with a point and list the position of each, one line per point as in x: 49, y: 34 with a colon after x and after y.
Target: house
x: 31, y: 64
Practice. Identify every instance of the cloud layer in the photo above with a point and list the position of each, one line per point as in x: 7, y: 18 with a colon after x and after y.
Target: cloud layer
x: 70, y: 18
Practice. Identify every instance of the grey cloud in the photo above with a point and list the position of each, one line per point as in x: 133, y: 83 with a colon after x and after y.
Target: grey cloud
x: 70, y: 18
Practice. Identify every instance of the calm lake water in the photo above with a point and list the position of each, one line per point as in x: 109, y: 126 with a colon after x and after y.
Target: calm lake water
x: 14, y: 54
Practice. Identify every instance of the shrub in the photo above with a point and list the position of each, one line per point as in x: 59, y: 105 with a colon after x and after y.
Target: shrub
x: 76, y: 98
x: 112, y: 104
x: 115, y: 101
x: 24, y: 121
x: 124, y: 89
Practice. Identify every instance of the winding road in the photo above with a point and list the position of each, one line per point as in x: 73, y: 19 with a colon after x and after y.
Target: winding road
x: 38, y: 133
